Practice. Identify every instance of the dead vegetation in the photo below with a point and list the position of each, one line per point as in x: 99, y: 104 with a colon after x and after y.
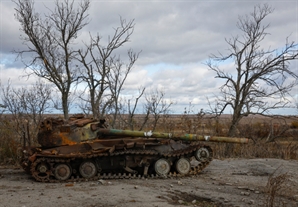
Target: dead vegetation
x: 278, y: 188
x: 270, y: 139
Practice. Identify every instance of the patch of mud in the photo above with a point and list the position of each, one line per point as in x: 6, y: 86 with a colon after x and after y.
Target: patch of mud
x: 183, y: 198
x: 252, y: 173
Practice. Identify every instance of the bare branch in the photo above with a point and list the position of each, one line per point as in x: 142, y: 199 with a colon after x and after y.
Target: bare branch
x: 49, y: 39
x: 104, y: 72
x: 261, y: 79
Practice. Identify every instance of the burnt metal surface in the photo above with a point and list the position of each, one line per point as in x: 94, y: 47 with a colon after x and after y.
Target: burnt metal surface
x: 54, y: 132
x: 82, y: 149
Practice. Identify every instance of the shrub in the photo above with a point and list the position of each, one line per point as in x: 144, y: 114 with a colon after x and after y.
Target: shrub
x: 294, y: 124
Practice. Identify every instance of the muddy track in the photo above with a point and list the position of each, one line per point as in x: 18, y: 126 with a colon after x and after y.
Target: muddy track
x: 228, y: 183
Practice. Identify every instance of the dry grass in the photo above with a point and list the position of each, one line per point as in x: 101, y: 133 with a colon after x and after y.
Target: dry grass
x: 278, y: 191
x: 9, y: 142
x: 274, y: 187
x: 259, y: 129
x: 260, y: 149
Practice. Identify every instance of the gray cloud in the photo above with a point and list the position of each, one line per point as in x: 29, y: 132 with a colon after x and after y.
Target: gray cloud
x: 175, y: 38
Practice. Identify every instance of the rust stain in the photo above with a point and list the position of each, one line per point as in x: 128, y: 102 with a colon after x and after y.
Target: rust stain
x: 65, y: 140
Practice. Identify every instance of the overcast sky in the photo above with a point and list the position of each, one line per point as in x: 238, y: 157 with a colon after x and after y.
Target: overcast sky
x: 175, y: 37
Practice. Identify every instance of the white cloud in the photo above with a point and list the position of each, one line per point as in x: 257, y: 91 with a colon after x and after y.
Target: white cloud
x: 17, y: 77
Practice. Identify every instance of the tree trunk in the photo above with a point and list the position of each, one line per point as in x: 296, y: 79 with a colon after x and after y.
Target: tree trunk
x: 233, y: 129
x: 232, y: 133
x: 65, y: 106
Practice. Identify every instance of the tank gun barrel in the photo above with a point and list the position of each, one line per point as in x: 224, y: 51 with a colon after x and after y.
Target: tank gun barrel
x: 174, y: 136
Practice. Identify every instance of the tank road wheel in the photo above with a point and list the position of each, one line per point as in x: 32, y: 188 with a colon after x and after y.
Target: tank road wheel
x: 88, y: 169
x: 62, y: 172
x: 162, y: 167
x: 183, y: 166
x: 41, y: 170
x: 202, y: 154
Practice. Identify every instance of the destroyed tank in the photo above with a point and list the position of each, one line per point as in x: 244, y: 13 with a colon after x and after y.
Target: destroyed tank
x: 85, y: 149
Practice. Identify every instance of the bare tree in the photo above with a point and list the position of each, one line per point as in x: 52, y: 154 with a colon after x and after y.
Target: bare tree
x: 261, y: 79
x: 117, y: 78
x: 104, y: 72
x: 84, y: 104
x: 128, y: 109
x: 49, y: 41
x: 27, y: 105
x: 157, y: 106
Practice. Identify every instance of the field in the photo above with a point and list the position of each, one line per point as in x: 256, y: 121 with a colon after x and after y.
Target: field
x: 271, y: 137
x: 261, y: 173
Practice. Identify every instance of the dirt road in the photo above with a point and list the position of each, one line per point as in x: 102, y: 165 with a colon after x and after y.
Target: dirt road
x: 231, y: 182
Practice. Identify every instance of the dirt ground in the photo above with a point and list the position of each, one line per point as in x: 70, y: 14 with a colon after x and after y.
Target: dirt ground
x: 230, y: 182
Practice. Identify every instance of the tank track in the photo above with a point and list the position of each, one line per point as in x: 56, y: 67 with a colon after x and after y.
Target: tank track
x: 48, y: 175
